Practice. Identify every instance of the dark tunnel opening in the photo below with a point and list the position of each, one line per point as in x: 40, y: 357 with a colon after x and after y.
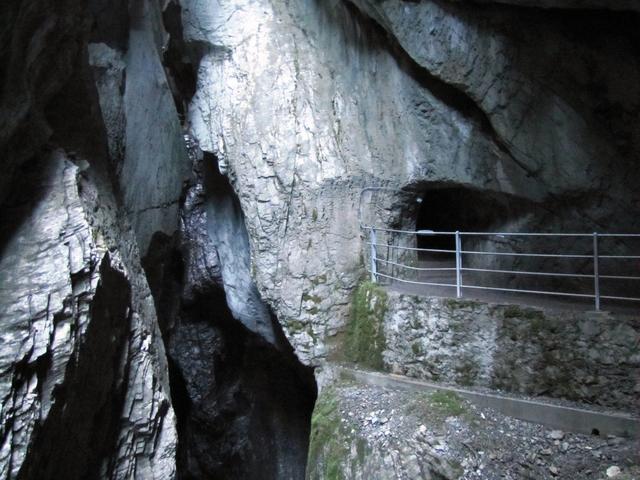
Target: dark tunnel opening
x: 451, y: 209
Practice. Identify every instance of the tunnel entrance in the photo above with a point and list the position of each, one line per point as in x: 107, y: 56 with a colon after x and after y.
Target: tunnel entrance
x: 450, y: 209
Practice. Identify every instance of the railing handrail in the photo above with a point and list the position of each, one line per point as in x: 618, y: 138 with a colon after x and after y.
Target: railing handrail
x: 504, y: 234
x: 505, y: 254
x: 459, y: 268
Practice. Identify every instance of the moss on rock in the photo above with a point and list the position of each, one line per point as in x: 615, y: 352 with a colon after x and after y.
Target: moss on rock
x: 329, y: 443
x: 515, y: 311
x: 436, y: 406
x: 456, y: 303
x: 365, y: 340
x: 447, y: 403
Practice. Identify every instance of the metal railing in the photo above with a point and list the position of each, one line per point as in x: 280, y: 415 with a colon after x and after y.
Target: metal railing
x: 462, y: 264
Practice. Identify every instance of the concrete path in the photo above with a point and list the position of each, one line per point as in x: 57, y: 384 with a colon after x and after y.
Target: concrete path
x: 568, y: 418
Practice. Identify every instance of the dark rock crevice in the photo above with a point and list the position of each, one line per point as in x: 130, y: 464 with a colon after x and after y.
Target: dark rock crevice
x: 243, y: 407
x: 40, y: 43
x: 242, y: 399
x: 91, y: 399
x: 179, y: 59
x: 109, y: 22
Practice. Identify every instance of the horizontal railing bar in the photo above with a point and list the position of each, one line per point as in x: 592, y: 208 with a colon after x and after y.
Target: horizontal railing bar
x: 573, y: 275
x: 526, y: 234
x: 409, y: 232
x: 630, y: 299
x: 507, y: 234
x: 411, y: 281
x: 539, y: 292
x: 513, y: 254
x: 513, y: 290
x: 542, y: 234
x: 516, y: 272
x: 398, y: 247
x: 425, y: 269
x: 619, y: 277
x: 624, y: 235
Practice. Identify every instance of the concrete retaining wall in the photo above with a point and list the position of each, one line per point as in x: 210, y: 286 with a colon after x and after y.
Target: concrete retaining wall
x: 583, y: 356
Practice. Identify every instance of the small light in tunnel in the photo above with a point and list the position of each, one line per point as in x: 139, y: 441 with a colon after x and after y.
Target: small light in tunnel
x: 419, y: 200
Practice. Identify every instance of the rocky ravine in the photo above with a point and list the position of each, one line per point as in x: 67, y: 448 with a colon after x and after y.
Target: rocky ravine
x: 180, y: 189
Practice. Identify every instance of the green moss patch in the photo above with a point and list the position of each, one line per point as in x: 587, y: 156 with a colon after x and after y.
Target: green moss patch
x: 514, y: 311
x: 365, y: 339
x: 455, y: 303
x: 447, y: 403
x: 329, y: 445
x: 307, y: 297
x: 436, y: 406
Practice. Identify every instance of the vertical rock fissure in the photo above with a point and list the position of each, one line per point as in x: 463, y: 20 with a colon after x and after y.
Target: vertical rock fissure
x: 243, y: 401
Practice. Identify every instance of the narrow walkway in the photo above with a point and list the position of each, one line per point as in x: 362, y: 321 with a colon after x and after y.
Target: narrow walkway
x: 571, y: 418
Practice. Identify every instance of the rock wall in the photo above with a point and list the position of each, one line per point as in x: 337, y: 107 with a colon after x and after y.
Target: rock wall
x: 243, y: 400
x: 83, y: 363
x: 117, y: 244
x: 305, y: 103
x: 146, y: 143
x: 86, y: 387
x: 587, y: 357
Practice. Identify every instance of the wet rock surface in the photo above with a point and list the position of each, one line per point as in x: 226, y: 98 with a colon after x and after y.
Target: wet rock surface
x: 383, y: 433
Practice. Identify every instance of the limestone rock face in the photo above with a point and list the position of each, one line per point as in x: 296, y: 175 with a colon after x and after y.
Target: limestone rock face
x: 76, y: 352
x: 145, y: 137
x: 50, y: 272
x: 85, y: 387
x: 537, y: 92
x: 305, y: 103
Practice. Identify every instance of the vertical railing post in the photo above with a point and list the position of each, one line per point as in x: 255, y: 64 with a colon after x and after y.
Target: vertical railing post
x: 374, y: 263
x: 458, y: 266
x: 596, y: 274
